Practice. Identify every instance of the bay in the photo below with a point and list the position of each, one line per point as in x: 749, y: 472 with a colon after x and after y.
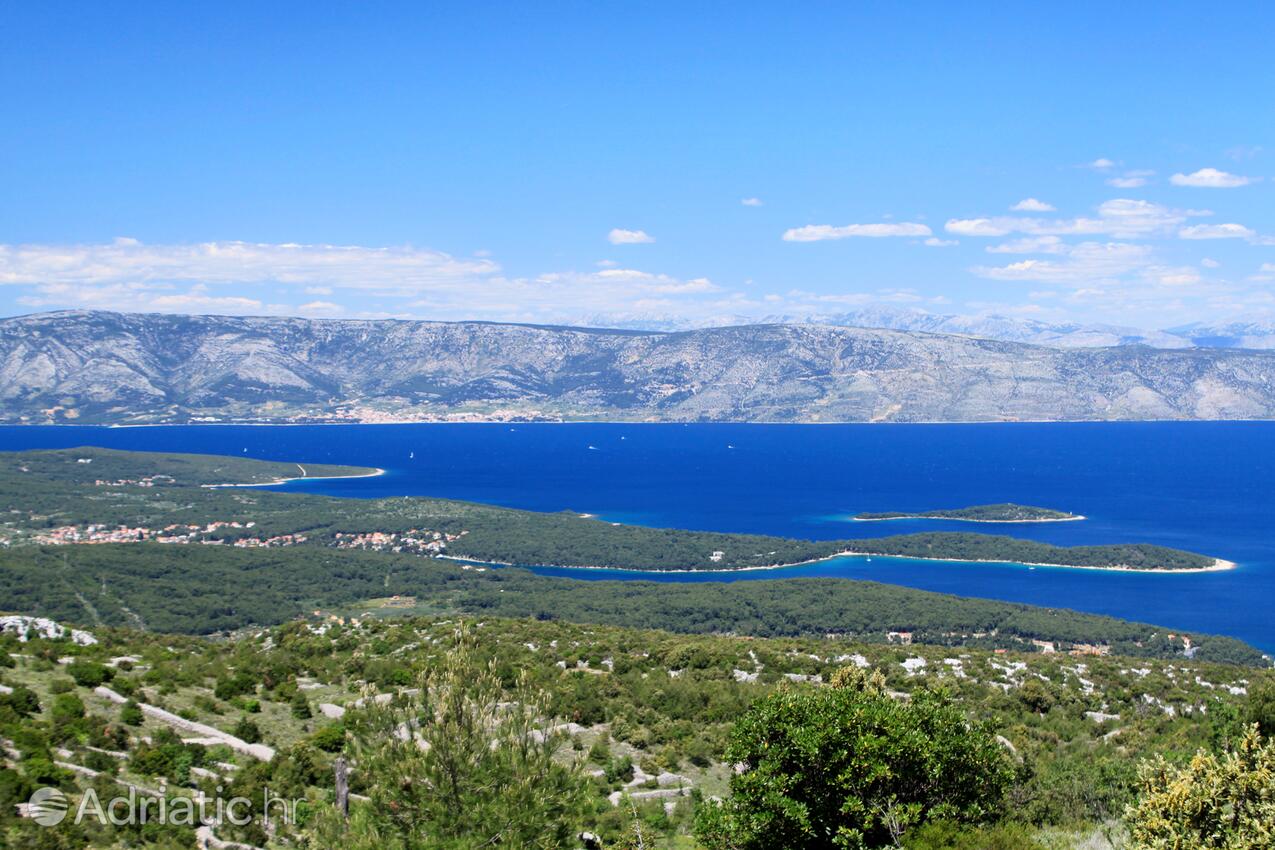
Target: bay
x: 1204, y: 486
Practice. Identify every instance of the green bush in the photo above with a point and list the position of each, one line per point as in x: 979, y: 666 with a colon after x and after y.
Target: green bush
x: 300, y: 707
x: 246, y: 730
x: 330, y: 739
x: 89, y: 674
x: 131, y: 714
x: 851, y: 767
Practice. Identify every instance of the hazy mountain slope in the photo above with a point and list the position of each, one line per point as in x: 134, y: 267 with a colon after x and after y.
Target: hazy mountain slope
x: 987, y: 326
x: 108, y: 367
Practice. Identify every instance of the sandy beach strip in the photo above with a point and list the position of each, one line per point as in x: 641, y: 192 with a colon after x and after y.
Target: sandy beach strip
x: 302, y: 477
x: 1219, y: 565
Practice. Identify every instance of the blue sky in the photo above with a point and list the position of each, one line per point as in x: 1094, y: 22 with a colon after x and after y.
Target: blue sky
x: 566, y: 162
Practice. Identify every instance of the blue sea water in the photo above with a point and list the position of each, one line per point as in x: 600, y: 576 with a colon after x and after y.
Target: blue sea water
x: 1205, y: 486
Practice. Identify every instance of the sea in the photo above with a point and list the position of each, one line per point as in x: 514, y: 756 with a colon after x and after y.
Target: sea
x: 1208, y: 487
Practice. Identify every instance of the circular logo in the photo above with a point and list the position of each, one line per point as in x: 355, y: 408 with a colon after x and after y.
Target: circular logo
x: 47, y: 806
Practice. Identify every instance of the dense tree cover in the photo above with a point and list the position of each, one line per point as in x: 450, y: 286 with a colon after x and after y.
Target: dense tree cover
x: 1002, y: 512
x: 201, y: 590
x: 851, y: 767
x: 88, y: 464
x: 988, y: 547
x: 1224, y: 801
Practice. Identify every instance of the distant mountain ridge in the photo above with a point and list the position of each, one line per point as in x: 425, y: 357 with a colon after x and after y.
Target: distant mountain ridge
x: 101, y: 367
x: 987, y: 326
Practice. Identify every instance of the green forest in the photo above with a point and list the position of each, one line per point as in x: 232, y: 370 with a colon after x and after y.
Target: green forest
x: 1002, y: 512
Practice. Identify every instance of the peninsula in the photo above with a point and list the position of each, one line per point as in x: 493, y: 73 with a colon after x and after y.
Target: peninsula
x: 99, y: 496
x: 1003, y: 512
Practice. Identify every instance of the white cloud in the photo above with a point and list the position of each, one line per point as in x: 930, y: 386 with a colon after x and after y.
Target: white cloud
x: 976, y: 227
x: 1102, y: 163
x: 1210, y: 178
x: 751, y: 202
x: 1032, y: 205
x: 620, y: 236
x: 313, y: 308
x: 1216, y: 231
x: 1084, y: 263
x: 1031, y: 245
x: 356, y: 281
x: 1184, y: 276
x: 1121, y: 218
x: 1209, y: 263
x: 140, y: 297
x: 403, y: 269
x: 935, y: 242
x: 821, y: 232
x: 1131, y: 179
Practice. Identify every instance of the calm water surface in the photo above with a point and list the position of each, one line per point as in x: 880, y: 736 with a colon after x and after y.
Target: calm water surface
x: 1207, y: 487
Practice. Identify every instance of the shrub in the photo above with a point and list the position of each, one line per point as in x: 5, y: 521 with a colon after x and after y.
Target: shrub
x: 89, y: 674
x: 300, y: 706
x: 330, y: 739
x: 850, y: 767
x: 488, y: 778
x: 131, y: 714
x: 246, y: 730
x: 22, y: 701
x: 1225, y: 802
x: 945, y: 835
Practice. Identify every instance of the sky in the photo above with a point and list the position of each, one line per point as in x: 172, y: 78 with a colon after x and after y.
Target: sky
x: 677, y: 163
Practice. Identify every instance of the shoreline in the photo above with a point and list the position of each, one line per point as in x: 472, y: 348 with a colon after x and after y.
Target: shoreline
x: 1219, y: 565
x: 376, y: 470
x: 1072, y: 518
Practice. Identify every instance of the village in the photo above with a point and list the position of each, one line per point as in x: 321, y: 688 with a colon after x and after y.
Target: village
x: 224, y: 533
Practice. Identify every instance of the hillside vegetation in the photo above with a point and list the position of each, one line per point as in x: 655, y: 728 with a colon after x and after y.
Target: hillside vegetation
x: 1004, y: 512
x: 627, y: 734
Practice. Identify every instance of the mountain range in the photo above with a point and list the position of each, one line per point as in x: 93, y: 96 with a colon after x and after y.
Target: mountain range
x: 987, y: 326
x: 102, y: 367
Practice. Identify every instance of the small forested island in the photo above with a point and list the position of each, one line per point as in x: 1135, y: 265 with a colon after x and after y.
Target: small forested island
x: 1003, y: 512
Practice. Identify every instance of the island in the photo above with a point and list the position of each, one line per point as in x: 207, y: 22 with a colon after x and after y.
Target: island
x: 1003, y: 512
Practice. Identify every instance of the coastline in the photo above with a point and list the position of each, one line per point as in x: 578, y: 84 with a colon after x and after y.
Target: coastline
x: 376, y: 470
x: 1072, y: 518
x: 1219, y: 565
